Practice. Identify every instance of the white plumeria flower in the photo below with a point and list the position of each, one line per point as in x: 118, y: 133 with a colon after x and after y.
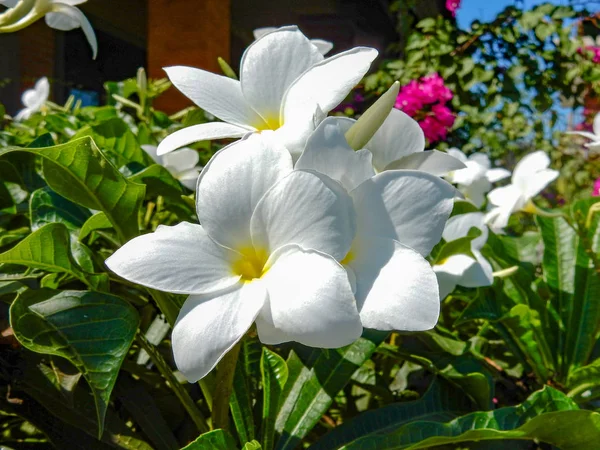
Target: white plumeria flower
x: 323, y: 45
x: 530, y: 177
x: 34, y: 99
x: 182, y: 164
x: 59, y: 14
x: 463, y: 270
x: 594, y: 137
x: 285, y: 85
x: 401, y: 215
x: 475, y: 180
x: 267, y: 253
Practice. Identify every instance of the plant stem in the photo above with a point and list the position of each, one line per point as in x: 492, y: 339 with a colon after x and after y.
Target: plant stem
x: 224, y: 387
x: 180, y: 392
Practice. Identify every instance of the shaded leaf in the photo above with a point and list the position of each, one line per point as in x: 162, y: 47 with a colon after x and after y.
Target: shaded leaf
x: 215, y: 440
x: 46, y: 206
x: 274, y: 372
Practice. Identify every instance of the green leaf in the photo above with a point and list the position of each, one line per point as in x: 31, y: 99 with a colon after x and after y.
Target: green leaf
x: 311, y: 387
x: 440, y: 403
x: 547, y: 416
x: 79, y: 172
x: 461, y: 246
x: 253, y: 445
x: 46, y: 206
x: 274, y: 372
x: 574, y: 281
x: 116, y: 141
x: 48, y: 249
x: 214, y: 440
x: 240, y: 404
x: 98, y: 221
x: 73, y: 325
x: 583, y: 382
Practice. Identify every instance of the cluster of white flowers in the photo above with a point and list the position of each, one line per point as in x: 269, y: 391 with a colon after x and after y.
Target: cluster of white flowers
x: 307, y: 227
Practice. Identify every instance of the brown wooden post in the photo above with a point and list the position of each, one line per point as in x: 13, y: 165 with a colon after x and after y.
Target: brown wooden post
x: 186, y: 32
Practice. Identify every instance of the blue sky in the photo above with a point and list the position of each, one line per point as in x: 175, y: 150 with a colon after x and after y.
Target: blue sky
x: 486, y: 10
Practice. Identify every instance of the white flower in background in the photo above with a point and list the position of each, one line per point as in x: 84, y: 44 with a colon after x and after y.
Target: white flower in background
x: 34, y: 99
x: 475, y: 180
x: 285, y: 85
x: 59, y: 14
x: 266, y: 252
x: 463, y: 270
x: 323, y: 45
x: 401, y: 215
x: 182, y: 164
x: 530, y: 177
x: 594, y: 137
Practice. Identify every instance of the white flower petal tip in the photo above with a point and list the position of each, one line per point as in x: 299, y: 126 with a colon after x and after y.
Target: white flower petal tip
x: 431, y: 161
x: 180, y: 259
x: 197, y: 133
x: 208, y: 327
x: 396, y: 289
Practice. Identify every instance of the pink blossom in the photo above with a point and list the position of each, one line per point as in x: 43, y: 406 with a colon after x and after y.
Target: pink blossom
x: 452, y: 6
x: 433, y: 89
x: 596, y: 191
x: 443, y: 114
x: 591, y: 49
x: 433, y: 129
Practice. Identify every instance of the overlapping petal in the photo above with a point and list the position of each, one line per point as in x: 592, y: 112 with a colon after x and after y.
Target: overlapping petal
x: 308, y: 209
x: 328, y: 152
x: 180, y: 259
x: 232, y: 184
x: 208, y: 326
x: 396, y: 289
x: 200, y: 132
x: 310, y: 301
x: 431, y: 161
x: 270, y: 65
x: 407, y: 206
x: 459, y: 226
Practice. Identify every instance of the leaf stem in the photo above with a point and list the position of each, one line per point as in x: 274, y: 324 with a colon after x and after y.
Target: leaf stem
x: 224, y: 387
x: 180, y: 392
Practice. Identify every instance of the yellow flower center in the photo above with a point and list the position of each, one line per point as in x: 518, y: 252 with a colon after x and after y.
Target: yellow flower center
x: 348, y: 258
x: 271, y: 122
x: 251, y: 264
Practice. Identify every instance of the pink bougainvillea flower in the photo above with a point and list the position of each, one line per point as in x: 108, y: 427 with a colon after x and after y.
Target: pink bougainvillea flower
x: 596, y: 191
x: 452, y: 6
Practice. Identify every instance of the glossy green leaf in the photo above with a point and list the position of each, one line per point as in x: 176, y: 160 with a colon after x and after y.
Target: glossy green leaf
x: 311, y: 386
x: 240, y: 404
x: 440, y: 403
x: 73, y: 325
x: 79, y: 172
x: 274, y: 372
x: 584, y: 382
x: 214, y: 440
x: 98, y: 221
x: 49, y: 249
x: 46, y: 206
x: 116, y: 141
x: 547, y: 416
x: 570, y: 271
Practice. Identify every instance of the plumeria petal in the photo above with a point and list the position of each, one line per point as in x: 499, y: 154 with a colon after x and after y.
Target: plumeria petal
x: 459, y: 226
x: 596, y: 126
x: 36, y: 97
x: 189, y: 178
x: 308, y: 209
x: 310, y: 301
x: 528, y: 166
x: 475, y: 192
x: 495, y: 175
x: 328, y: 152
x: 294, y: 133
x: 407, y: 206
x: 399, y: 136
x: 327, y: 83
x: 180, y: 259
x: 396, y: 289
x: 446, y: 282
x: 75, y: 15
x: 539, y: 181
x: 232, y: 184
x: 151, y: 151
x: 208, y: 326
x: 431, y: 161
x: 219, y: 95
x: 270, y: 65
x: 505, y: 195
x: 322, y: 45
x: 200, y: 132
x: 182, y: 159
